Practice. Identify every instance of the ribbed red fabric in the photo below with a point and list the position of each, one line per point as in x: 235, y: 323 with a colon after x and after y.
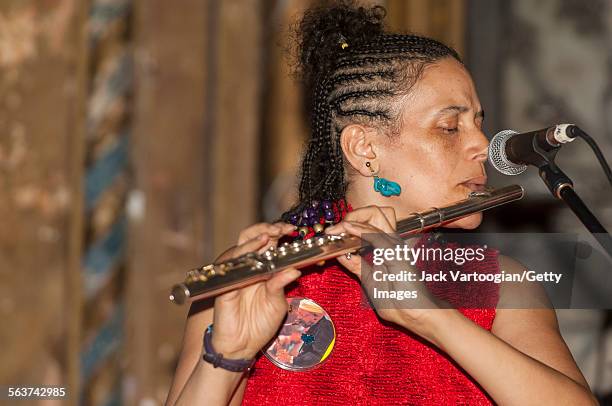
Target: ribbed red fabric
x: 375, y: 362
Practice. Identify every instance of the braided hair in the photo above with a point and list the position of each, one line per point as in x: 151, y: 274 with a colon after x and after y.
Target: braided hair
x: 352, y: 71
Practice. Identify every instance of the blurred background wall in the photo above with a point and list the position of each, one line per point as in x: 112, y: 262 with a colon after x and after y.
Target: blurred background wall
x: 138, y: 137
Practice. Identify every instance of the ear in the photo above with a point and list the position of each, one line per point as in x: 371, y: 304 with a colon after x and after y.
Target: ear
x: 359, y: 146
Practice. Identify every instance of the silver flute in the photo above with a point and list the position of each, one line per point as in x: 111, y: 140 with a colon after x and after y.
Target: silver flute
x: 217, y: 278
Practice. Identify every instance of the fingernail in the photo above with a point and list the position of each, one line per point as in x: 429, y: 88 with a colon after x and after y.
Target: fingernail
x: 292, y: 273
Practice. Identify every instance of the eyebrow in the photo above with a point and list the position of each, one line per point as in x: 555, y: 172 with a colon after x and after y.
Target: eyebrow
x: 460, y: 109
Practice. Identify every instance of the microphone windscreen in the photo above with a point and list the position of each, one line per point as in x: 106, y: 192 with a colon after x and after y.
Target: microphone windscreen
x: 497, y: 154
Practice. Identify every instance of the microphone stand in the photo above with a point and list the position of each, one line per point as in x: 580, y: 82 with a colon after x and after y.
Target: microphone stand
x: 562, y: 187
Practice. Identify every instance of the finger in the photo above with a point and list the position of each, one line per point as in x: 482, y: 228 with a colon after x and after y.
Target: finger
x: 251, y: 245
x: 285, y: 229
x: 353, y: 228
x: 366, y: 232
x: 341, y: 228
x: 228, y: 296
x: 371, y: 216
x: 389, y: 213
x: 353, y: 264
x: 258, y: 229
x: 335, y: 229
x: 372, y: 235
x: 237, y: 250
x: 375, y: 216
x: 276, y: 284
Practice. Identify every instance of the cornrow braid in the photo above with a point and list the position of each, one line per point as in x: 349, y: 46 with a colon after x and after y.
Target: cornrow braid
x: 362, y: 84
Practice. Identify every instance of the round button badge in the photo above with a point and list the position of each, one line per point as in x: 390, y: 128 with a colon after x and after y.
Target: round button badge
x: 306, y: 338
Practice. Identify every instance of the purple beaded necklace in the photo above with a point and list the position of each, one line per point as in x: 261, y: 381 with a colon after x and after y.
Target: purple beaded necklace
x: 318, y: 215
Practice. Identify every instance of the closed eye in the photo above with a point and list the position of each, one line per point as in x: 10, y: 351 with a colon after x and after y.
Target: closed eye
x: 450, y: 130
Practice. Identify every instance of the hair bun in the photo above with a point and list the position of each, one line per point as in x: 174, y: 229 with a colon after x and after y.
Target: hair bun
x: 323, y: 29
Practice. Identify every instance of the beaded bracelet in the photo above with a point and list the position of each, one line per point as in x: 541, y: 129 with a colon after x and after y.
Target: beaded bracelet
x: 217, y: 360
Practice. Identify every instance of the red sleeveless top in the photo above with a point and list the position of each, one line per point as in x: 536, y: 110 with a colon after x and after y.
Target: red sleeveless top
x: 375, y: 362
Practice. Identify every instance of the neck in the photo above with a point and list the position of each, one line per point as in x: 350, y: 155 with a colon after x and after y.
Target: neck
x: 358, y: 200
x: 362, y: 195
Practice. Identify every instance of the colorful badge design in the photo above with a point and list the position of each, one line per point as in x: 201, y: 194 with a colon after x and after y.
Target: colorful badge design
x: 305, y: 339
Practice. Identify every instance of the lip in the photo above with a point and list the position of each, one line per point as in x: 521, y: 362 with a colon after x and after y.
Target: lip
x: 476, y: 184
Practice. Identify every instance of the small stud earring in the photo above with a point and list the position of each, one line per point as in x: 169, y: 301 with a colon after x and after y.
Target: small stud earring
x: 384, y: 186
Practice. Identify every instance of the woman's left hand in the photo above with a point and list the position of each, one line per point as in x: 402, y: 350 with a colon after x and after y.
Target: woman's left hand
x: 377, y: 226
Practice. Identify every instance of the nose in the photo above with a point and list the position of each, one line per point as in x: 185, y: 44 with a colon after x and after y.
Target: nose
x: 479, y: 146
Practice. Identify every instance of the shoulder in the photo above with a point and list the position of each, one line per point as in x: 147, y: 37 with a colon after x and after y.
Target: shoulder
x: 517, y: 289
x: 523, y: 305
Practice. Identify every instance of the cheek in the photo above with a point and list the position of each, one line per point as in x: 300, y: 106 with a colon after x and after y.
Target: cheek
x: 427, y: 173
x: 425, y: 163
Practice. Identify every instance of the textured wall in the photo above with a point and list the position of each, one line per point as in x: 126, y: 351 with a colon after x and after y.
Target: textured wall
x: 41, y: 66
x: 196, y: 165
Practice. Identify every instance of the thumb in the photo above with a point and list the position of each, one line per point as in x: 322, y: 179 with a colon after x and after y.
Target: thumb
x: 353, y: 264
x: 228, y: 297
x: 277, y: 283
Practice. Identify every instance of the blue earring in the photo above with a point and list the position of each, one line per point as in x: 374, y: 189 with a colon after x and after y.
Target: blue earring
x: 384, y: 186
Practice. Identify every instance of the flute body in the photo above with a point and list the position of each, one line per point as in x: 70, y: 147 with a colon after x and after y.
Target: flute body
x: 214, y: 279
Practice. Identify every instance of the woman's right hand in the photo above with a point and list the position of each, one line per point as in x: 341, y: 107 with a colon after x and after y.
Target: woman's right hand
x: 246, y: 319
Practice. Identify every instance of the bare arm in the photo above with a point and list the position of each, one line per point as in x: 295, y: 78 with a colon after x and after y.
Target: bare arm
x: 189, y: 357
x: 210, y: 386
x: 244, y: 320
x: 522, y: 361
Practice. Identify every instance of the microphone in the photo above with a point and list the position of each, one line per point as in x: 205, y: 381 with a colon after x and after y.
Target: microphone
x: 510, y: 152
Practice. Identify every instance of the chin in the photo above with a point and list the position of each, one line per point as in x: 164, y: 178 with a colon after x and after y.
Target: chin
x: 468, y: 223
